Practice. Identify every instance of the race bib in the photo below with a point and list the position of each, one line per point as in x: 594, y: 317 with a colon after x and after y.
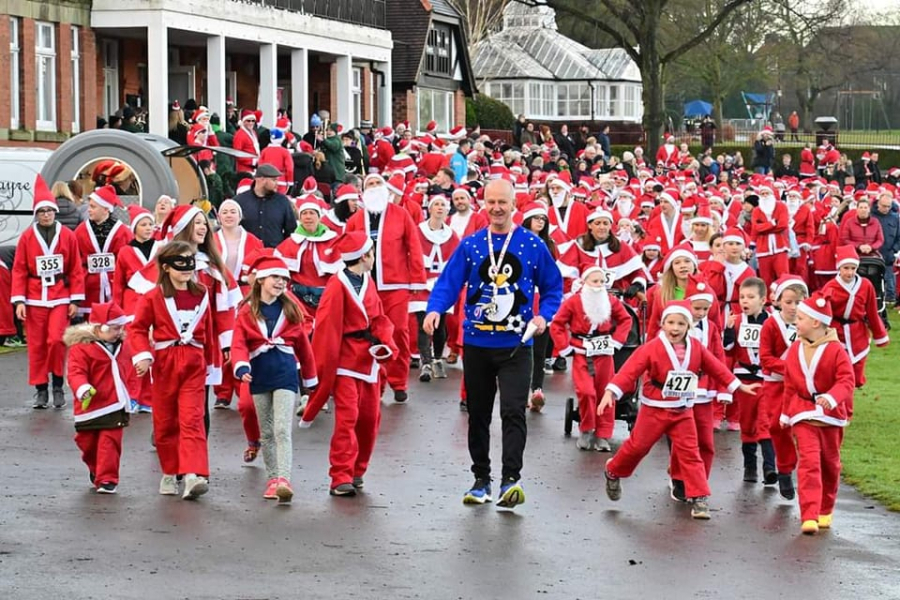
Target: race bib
x: 49, y: 265
x: 680, y: 384
x: 602, y: 345
x: 748, y: 335
x: 609, y: 278
x: 791, y: 336
x: 101, y: 263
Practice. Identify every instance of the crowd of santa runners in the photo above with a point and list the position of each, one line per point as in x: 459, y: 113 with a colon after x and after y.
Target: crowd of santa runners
x: 742, y: 301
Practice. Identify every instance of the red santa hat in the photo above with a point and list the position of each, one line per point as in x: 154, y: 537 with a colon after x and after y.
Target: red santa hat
x: 817, y: 307
x: 534, y: 209
x: 283, y: 124
x: 386, y: 131
x: 784, y: 282
x: 244, y: 185
x: 652, y: 244
x: 179, y: 218
x: 268, y: 266
x: 599, y: 213
x: 353, y: 245
x: 895, y: 172
x: 580, y: 192
x: 667, y: 196
x: 457, y: 133
x: 733, y: 234
x: 201, y: 113
x: 698, y: 289
x: 106, y: 197
x: 176, y: 105
x: 305, y: 147
x: 683, y: 250
x: 106, y: 314
x: 678, y: 307
x: 396, y: 183
x: 591, y: 269
x: 846, y: 255
x: 346, y: 192
x: 309, y: 202
x: 563, y: 178
x: 42, y: 196
x: 866, y: 156
x: 431, y: 127
x: 310, y: 185
x: 704, y: 215
x: 247, y: 114
x: 235, y: 205
x: 370, y: 177
x: 136, y: 214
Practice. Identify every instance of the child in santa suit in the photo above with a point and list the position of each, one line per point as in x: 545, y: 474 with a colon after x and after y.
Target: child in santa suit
x: 47, y: 285
x: 97, y: 369
x: 769, y: 224
x: 178, y: 312
x: 741, y: 339
x: 855, y: 310
x: 779, y: 332
x: 592, y: 325
x: 7, y: 322
x: 278, y: 156
x: 818, y: 391
x: 353, y: 335
x: 824, y: 247
x: 700, y: 297
x: 670, y: 364
x: 99, y: 240
x: 270, y: 347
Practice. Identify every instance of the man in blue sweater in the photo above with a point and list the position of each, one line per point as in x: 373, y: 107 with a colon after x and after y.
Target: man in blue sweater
x: 503, y: 267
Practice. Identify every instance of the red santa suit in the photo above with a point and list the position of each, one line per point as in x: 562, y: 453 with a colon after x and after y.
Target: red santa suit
x: 725, y: 280
x: 621, y: 268
x: 855, y: 310
x: 312, y: 261
x: 573, y: 332
x: 466, y: 225
x: 814, y: 371
x: 99, y: 419
x: 7, y: 322
x: 432, y: 162
x: 742, y: 348
x: 822, y: 252
x: 437, y: 246
x: 182, y: 347
x: 351, y: 324
x: 660, y: 362
x: 807, y: 163
x: 248, y: 245
x: 192, y: 140
x: 776, y: 337
x: 47, y: 279
x: 279, y: 157
x: 246, y: 140
x: 399, y: 270
x: 99, y: 263
x: 769, y: 229
x: 668, y: 155
x: 571, y: 219
x: 803, y: 227
x: 381, y: 153
x: 669, y: 233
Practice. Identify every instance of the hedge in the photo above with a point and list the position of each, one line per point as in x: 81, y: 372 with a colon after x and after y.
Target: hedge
x: 886, y: 158
x: 488, y: 113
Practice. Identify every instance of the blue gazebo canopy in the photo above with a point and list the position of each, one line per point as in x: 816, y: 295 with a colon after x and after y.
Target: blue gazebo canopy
x: 697, y: 108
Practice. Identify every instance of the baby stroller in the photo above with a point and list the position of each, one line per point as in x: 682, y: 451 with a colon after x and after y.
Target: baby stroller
x: 872, y: 268
x: 627, y: 405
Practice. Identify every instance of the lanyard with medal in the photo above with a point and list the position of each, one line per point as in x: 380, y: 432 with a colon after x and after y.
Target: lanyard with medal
x: 490, y: 309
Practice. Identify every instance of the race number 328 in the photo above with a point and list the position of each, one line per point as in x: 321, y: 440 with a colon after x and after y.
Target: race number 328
x: 49, y: 265
x: 680, y: 384
x: 101, y: 263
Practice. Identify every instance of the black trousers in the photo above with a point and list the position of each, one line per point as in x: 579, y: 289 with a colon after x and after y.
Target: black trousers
x: 486, y: 369
x: 426, y: 342
x: 542, y: 348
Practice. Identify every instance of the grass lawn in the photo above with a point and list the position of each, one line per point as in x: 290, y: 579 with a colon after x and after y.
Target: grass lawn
x: 871, y: 451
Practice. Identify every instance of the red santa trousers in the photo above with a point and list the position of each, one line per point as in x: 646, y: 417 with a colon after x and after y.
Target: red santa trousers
x: 396, y: 309
x: 703, y: 420
x: 454, y: 323
x: 773, y: 266
x: 100, y: 451
x: 357, y: 415
x: 859, y: 372
x: 139, y: 388
x: 44, y: 329
x: 771, y: 400
x: 749, y: 413
x: 588, y: 389
x: 652, y: 424
x: 7, y: 323
x: 226, y: 389
x: 413, y: 335
x: 248, y: 414
x: 179, y: 399
x: 800, y: 266
x: 819, y: 470
x: 725, y: 411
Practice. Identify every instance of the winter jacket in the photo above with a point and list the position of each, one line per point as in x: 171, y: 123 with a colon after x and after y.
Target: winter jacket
x: 890, y: 230
x: 856, y: 234
x: 70, y: 214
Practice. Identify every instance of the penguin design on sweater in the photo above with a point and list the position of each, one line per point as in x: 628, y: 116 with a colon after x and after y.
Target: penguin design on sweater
x: 500, y: 311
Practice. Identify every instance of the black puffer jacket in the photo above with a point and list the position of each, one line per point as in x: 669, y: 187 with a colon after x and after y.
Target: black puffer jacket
x: 70, y: 214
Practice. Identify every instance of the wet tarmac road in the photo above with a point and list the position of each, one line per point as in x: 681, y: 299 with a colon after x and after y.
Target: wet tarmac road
x: 409, y: 535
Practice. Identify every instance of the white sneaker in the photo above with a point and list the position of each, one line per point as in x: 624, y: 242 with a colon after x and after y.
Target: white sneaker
x: 194, y: 486
x: 439, y: 371
x: 168, y: 485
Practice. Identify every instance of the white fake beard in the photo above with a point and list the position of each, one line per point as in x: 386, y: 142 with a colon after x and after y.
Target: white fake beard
x: 793, y: 206
x: 375, y: 199
x: 595, y: 302
x: 767, y: 204
x: 558, y: 199
x: 625, y: 207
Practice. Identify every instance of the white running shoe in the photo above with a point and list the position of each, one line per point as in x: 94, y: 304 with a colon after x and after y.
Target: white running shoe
x: 168, y: 485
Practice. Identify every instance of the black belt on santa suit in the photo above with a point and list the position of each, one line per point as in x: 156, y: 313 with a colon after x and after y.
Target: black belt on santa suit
x: 56, y: 278
x: 846, y: 321
x: 363, y: 334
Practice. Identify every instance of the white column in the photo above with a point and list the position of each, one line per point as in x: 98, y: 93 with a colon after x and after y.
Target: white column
x: 158, y: 76
x: 215, y: 74
x: 300, y: 90
x: 385, y: 93
x: 344, y: 74
x: 268, y: 82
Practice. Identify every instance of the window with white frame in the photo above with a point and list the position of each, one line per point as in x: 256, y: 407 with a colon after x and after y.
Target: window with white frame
x: 14, y: 85
x: 541, y: 100
x: 110, y: 77
x: 534, y: 100
x: 76, y: 80
x: 573, y: 100
x: 602, y: 101
x: 437, y: 106
x: 45, y: 73
x: 629, y: 108
x: 614, y: 109
x: 356, y: 91
x: 510, y: 93
x: 548, y: 99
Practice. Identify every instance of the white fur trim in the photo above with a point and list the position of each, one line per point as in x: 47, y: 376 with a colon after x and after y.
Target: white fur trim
x: 141, y: 356
x: 82, y: 390
x: 810, y: 312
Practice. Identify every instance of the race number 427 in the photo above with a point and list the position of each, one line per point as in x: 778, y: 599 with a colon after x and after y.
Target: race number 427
x: 680, y: 384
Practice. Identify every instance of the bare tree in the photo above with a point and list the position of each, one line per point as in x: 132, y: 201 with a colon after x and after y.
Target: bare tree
x: 638, y: 28
x: 480, y: 17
